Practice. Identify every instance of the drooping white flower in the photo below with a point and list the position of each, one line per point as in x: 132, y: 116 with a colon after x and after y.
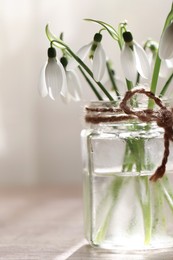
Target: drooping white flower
x: 72, y: 89
x: 52, y: 76
x: 96, y: 53
x: 166, y: 68
x: 42, y: 88
x: 166, y: 65
x: 56, y: 80
x: 166, y: 43
x: 99, y: 63
x: 134, y: 59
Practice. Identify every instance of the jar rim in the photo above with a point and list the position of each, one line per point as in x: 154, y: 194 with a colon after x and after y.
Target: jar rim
x: 105, y: 111
x: 144, y: 99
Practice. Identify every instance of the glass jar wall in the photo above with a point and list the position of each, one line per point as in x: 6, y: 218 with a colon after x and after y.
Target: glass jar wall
x: 123, y: 208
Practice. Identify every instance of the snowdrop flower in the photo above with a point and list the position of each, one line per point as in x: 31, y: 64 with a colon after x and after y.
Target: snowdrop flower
x: 166, y: 68
x: 96, y: 53
x: 52, y: 76
x: 151, y: 48
x: 166, y: 65
x: 56, y: 80
x: 166, y: 43
x: 134, y: 59
x: 72, y: 89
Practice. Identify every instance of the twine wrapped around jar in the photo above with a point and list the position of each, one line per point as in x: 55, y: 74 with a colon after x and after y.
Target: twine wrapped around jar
x: 163, y: 117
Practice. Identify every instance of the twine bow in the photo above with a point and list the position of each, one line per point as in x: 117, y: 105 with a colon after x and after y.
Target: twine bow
x: 163, y: 117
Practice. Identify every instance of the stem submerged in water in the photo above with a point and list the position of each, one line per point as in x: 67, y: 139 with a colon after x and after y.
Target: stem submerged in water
x: 143, y: 191
x: 113, y: 196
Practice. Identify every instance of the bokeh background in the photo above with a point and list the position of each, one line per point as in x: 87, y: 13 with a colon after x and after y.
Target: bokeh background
x: 39, y: 138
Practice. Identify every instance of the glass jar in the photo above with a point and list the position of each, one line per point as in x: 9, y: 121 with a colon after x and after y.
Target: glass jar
x: 123, y: 208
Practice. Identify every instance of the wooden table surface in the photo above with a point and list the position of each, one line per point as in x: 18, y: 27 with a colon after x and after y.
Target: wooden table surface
x: 47, y: 224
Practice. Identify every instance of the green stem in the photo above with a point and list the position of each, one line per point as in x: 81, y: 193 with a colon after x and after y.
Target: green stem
x: 158, y: 61
x: 128, y: 160
x: 143, y: 189
x: 112, y: 79
x: 105, y: 91
x: 165, y: 87
x: 138, y: 79
x: 114, y: 194
x: 154, y: 80
x: 167, y: 190
x: 91, y: 85
x: 129, y: 84
x: 134, y: 155
x: 85, y: 67
x: 158, y: 208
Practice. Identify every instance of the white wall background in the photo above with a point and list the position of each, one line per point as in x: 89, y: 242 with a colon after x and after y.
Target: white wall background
x: 39, y: 138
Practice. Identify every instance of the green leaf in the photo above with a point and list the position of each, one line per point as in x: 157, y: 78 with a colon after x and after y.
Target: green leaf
x: 107, y: 26
x: 53, y: 37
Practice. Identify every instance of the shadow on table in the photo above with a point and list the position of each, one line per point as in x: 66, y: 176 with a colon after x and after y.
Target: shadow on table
x: 87, y: 252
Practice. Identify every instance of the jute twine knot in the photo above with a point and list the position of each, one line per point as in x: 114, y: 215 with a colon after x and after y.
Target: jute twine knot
x: 163, y: 118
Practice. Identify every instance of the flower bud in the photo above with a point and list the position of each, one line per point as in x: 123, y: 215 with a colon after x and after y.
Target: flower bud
x: 97, y: 37
x: 127, y: 36
x: 51, y: 52
x: 64, y: 61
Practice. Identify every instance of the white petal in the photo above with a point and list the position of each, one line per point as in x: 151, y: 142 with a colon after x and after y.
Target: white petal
x: 99, y: 63
x: 42, y: 88
x: 166, y: 43
x: 164, y: 69
x: 73, y: 85
x: 169, y: 63
x: 54, y: 75
x: 142, y: 63
x: 82, y: 53
x: 128, y: 63
x: 150, y: 57
x: 65, y: 94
